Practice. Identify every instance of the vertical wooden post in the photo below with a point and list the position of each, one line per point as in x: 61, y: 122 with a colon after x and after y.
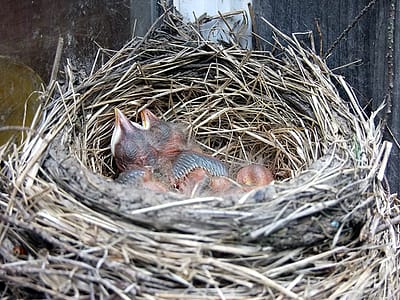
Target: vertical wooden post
x: 394, y: 89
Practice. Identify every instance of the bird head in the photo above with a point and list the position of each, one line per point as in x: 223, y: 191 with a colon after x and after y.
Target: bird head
x: 149, y: 119
x: 167, y: 137
x: 124, y: 129
x: 129, y: 145
x: 160, y: 131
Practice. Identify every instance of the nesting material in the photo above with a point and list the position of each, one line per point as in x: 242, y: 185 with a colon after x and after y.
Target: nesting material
x: 324, y: 228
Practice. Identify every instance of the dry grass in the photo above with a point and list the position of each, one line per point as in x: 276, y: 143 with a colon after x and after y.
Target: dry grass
x: 325, y: 228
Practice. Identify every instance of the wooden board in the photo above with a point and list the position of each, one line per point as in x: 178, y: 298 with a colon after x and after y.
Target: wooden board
x: 29, y: 30
x: 366, y: 44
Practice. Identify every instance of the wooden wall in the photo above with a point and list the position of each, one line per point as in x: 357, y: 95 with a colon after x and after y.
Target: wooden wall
x: 366, y: 42
x: 29, y: 30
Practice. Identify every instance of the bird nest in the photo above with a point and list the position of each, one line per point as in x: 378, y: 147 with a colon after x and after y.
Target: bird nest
x: 324, y: 228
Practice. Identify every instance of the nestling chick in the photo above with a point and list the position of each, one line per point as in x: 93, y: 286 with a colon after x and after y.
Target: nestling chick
x: 129, y: 145
x: 196, y: 172
x: 141, y: 178
x: 254, y: 176
x: 168, y: 138
x: 162, y: 148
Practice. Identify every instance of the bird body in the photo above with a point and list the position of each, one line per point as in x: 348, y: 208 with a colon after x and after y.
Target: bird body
x: 188, y: 160
x: 142, y: 177
x: 253, y: 176
x: 168, y: 138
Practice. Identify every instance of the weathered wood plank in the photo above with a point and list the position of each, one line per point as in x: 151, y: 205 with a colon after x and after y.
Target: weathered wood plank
x: 366, y: 43
x: 394, y: 118
x: 333, y: 17
x: 29, y: 30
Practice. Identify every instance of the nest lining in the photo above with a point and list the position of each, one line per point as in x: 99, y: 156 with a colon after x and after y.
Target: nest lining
x: 298, y: 237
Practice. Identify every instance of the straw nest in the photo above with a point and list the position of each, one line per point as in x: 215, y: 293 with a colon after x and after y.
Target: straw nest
x: 324, y: 228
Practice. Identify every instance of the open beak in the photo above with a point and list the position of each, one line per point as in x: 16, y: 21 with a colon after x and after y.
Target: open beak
x: 117, y: 133
x: 122, y: 127
x: 121, y: 120
x: 147, y: 118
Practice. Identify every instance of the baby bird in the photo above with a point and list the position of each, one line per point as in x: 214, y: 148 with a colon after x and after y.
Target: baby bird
x: 141, y: 177
x: 254, y: 175
x: 157, y: 154
x: 167, y: 137
x: 185, y: 166
x: 130, y: 146
x: 193, y: 171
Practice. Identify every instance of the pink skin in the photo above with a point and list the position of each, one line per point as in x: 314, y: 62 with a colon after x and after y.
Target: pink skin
x: 168, y: 138
x: 254, y: 176
x: 199, y: 181
x: 156, y: 144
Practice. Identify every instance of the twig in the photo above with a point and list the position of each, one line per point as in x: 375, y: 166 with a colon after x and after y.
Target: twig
x: 56, y: 63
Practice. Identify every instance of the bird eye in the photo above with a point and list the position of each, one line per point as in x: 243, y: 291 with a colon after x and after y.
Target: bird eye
x: 130, y: 150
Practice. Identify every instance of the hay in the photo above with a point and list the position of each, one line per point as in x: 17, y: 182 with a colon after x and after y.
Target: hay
x: 325, y: 228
